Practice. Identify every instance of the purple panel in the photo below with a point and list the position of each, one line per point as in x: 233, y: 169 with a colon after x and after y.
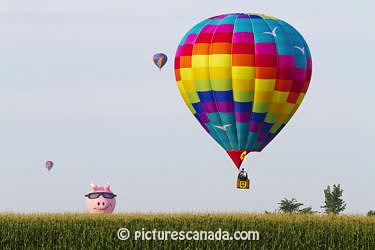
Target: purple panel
x: 209, y: 107
x: 255, y: 126
x: 299, y: 74
x: 179, y: 51
x: 285, y: 61
x: 225, y: 28
x: 243, y: 37
x: 225, y: 107
x: 191, y: 39
x: 209, y: 28
x: 242, y: 117
x: 243, y: 16
x: 204, y: 117
x: 265, y: 48
x: 261, y: 136
x: 219, y: 16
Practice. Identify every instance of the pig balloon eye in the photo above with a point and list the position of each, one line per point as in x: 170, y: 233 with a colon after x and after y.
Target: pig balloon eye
x: 98, y: 203
x: 103, y: 203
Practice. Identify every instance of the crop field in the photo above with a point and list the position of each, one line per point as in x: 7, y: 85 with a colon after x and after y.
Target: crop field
x: 276, y: 231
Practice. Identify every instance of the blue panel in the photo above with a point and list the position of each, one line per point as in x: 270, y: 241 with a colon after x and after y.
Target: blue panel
x: 198, y: 107
x: 258, y: 117
x: 266, y: 127
x: 243, y: 106
x: 224, y: 96
x: 220, y: 96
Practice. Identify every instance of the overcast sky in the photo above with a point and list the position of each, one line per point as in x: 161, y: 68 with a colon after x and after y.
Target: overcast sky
x: 78, y: 87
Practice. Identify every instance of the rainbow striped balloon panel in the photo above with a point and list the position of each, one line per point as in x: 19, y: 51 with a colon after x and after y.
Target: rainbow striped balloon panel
x: 243, y: 76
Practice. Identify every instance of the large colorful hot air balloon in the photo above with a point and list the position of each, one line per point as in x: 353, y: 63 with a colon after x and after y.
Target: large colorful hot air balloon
x: 49, y: 165
x: 160, y: 60
x: 243, y: 76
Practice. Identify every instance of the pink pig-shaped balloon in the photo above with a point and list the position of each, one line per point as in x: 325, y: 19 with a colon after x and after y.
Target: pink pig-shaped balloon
x: 100, y: 200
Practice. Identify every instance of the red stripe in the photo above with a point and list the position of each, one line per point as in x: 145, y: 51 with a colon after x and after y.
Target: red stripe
x: 297, y: 86
x: 293, y: 97
x: 285, y: 73
x: 187, y: 50
x: 243, y: 48
x: 222, y: 37
x: 177, y: 62
x: 204, y: 38
x: 266, y: 60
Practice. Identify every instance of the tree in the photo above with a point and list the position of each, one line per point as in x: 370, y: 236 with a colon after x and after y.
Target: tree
x: 333, y: 203
x: 289, y: 206
x: 371, y: 213
x: 307, y: 210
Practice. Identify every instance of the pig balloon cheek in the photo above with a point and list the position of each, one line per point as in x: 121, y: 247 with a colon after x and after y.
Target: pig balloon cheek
x: 100, y: 205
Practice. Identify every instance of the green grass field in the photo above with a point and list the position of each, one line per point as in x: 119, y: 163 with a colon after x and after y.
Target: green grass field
x: 81, y: 231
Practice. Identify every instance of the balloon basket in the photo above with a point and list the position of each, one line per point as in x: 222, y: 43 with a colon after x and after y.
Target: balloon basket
x: 243, y: 184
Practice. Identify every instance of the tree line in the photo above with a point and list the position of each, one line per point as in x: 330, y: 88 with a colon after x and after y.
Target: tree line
x: 333, y: 203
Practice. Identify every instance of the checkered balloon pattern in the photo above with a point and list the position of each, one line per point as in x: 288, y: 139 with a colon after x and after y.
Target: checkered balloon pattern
x: 243, y: 76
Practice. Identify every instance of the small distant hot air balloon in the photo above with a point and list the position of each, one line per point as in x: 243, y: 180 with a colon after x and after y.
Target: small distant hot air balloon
x: 160, y: 60
x: 49, y: 165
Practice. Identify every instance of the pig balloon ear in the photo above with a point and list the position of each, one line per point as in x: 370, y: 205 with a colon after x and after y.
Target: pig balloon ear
x: 93, y: 186
x: 107, y: 187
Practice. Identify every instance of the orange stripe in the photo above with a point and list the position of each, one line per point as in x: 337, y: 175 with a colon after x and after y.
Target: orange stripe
x: 243, y: 60
x: 283, y: 85
x: 201, y: 49
x: 177, y: 74
x: 266, y: 72
x: 221, y: 48
x: 185, y: 62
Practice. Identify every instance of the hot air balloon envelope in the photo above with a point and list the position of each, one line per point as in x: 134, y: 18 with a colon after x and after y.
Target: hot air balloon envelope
x: 160, y: 60
x: 49, y: 165
x: 243, y: 76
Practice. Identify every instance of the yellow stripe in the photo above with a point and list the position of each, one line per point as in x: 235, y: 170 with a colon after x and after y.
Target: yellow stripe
x: 265, y: 84
x: 191, y: 108
x: 203, y: 85
x: 243, y: 96
x: 262, y: 96
x: 270, y: 117
x: 220, y: 73
x: 260, y: 107
x: 275, y: 108
x: 193, y: 97
x: 220, y: 60
x: 282, y: 118
x: 189, y: 86
x: 243, y: 85
x: 201, y: 73
x: 243, y: 73
x: 221, y: 84
x: 275, y: 127
x: 180, y: 87
x: 186, y: 74
x: 198, y: 61
x: 287, y: 108
x: 300, y: 98
x: 280, y: 96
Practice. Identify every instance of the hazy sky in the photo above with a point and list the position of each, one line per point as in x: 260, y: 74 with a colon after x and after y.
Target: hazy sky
x: 78, y: 87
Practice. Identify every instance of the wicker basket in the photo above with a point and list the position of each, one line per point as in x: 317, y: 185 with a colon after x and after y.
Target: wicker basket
x: 243, y: 184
